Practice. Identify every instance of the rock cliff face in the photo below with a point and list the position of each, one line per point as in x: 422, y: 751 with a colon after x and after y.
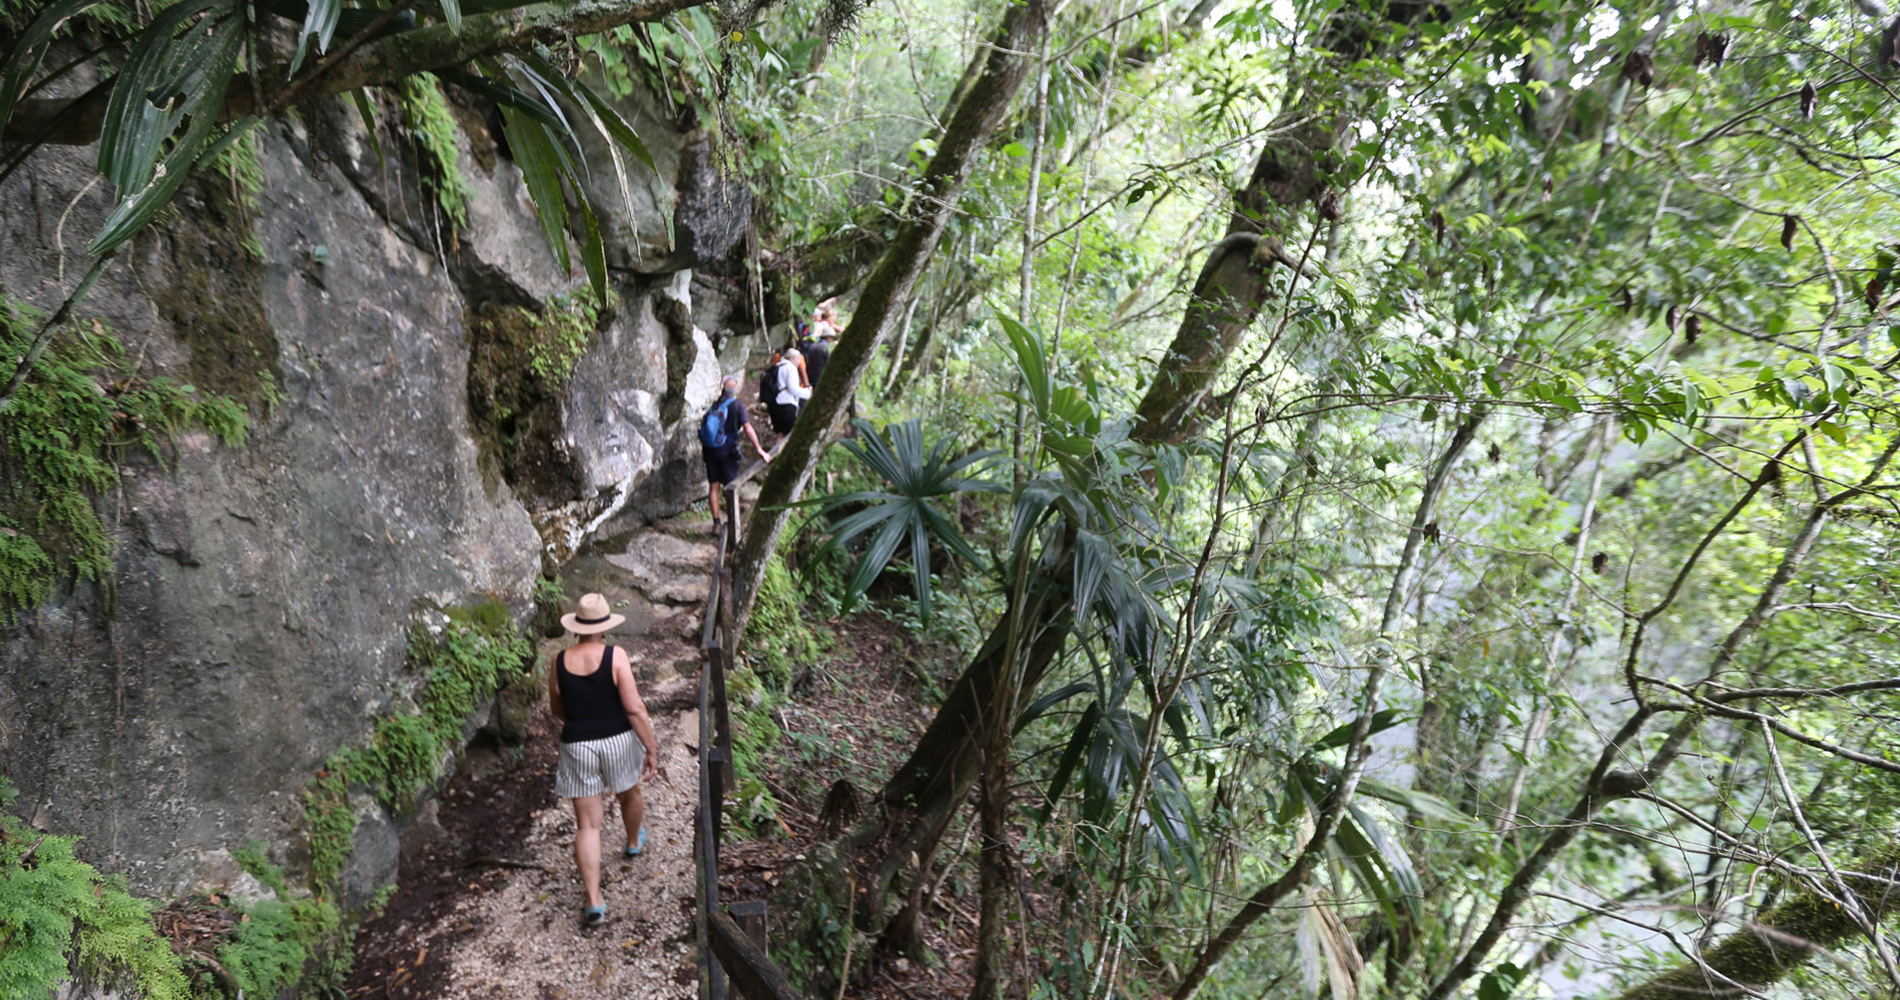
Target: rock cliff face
x: 258, y: 615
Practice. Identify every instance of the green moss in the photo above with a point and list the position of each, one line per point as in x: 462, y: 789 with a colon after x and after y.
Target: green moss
x: 471, y: 657
x: 755, y: 737
x: 1796, y: 930
x: 255, y: 860
x: 430, y: 122
x: 242, y: 164
x: 519, y: 361
x: 59, y: 916
x: 61, y: 442
x: 208, y: 286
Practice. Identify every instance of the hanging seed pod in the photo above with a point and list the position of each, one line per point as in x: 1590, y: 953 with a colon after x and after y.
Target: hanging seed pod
x: 1875, y: 287
x: 1629, y: 301
x: 1329, y: 205
x: 1691, y: 328
x: 1809, y: 97
x: 1711, y: 50
x: 1438, y: 226
x: 1599, y: 562
x: 1790, y: 224
x: 1669, y: 319
x: 1492, y: 453
x: 1639, y: 68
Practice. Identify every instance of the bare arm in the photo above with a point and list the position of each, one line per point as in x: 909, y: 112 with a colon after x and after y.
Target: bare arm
x: 756, y: 446
x: 636, y: 709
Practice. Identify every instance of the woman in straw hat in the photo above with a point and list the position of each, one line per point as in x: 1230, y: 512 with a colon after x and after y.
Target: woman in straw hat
x: 592, y: 691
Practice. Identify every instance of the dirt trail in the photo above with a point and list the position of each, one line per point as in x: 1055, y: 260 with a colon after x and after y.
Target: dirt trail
x: 489, y: 902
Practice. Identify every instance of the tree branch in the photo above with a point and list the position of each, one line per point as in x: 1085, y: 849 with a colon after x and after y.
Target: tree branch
x: 387, y: 60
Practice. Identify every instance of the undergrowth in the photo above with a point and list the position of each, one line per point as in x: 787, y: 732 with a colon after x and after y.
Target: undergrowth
x: 59, y: 915
x: 780, y: 640
x: 285, y: 942
x: 464, y: 660
x: 61, y: 440
x: 426, y: 114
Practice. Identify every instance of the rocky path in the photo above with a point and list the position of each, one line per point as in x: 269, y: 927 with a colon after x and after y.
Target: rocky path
x: 490, y: 900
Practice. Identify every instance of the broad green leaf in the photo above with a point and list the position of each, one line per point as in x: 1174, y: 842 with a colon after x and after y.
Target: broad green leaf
x: 319, y: 22
x: 540, y: 164
x: 15, y: 72
x: 1382, y: 720
x: 179, y: 67
x: 1423, y: 803
x: 143, y: 205
x: 360, y: 98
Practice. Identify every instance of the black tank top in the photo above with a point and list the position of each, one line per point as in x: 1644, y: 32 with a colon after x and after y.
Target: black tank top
x: 592, y: 702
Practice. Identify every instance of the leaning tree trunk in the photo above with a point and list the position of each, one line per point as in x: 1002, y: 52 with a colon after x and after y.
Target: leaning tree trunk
x: 919, y: 799
x: 1233, y: 284
x: 1779, y: 941
x: 886, y: 293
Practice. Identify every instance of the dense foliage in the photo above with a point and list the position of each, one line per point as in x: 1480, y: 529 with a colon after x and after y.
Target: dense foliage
x: 1443, y: 548
x: 1526, y: 558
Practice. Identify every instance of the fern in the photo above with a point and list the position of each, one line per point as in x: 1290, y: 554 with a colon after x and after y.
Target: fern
x: 472, y: 656
x: 426, y: 112
x: 58, y: 915
x: 83, y: 405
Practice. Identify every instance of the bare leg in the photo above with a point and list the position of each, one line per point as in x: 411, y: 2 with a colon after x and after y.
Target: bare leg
x: 633, y: 812
x: 712, y: 496
x: 587, y: 814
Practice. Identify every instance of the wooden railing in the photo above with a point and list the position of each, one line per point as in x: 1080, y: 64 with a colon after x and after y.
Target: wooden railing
x: 732, y: 941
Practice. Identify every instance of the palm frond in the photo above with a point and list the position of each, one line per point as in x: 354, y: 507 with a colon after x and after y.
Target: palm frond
x: 917, y: 476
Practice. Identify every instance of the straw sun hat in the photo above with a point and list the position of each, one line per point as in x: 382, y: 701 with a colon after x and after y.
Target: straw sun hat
x: 591, y: 616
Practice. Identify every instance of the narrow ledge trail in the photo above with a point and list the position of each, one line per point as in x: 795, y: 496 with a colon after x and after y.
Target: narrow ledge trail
x: 489, y: 900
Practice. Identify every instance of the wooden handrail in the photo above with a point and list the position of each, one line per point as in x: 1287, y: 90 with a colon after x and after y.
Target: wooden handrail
x: 724, y: 948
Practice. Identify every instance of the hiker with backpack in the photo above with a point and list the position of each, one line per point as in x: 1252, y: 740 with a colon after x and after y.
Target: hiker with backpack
x: 816, y: 343
x: 719, y: 432
x: 783, y: 389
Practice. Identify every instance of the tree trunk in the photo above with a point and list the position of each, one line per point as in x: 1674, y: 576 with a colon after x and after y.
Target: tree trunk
x: 992, y: 938
x: 920, y: 797
x: 886, y: 293
x: 1291, y: 171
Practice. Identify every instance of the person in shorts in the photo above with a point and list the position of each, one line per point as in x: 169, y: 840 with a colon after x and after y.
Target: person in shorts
x: 607, y: 744
x: 722, y: 462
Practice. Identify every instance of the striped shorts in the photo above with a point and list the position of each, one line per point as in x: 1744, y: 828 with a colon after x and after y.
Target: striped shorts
x: 590, y: 767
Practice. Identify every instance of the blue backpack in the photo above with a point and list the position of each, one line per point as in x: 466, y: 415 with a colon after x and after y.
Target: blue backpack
x: 713, y: 432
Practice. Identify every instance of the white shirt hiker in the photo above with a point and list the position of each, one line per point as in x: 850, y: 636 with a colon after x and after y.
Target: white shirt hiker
x: 789, y: 391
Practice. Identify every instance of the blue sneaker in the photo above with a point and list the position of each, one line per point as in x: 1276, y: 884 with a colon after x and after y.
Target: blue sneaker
x: 593, y: 916
x: 634, y: 851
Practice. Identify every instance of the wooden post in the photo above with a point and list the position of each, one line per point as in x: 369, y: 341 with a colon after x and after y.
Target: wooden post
x: 722, y: 723
x: 752, y: 970
x: 749, y: 914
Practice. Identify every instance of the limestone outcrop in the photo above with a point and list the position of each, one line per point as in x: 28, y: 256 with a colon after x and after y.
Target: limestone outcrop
x: 263, y: 595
